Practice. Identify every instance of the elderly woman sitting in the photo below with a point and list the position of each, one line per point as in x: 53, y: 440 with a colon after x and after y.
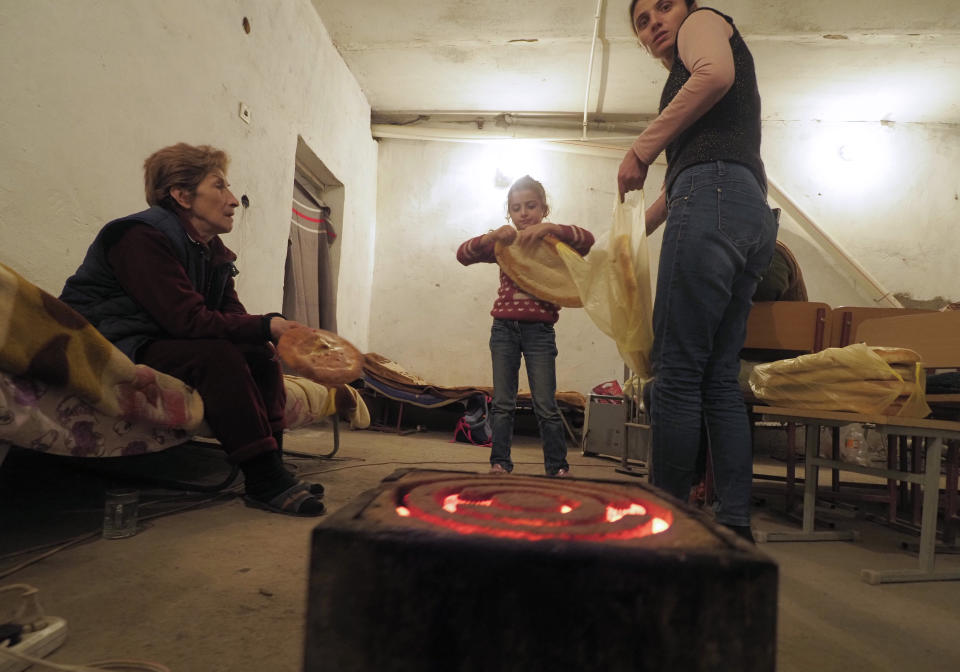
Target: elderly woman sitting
x: 159, y: 285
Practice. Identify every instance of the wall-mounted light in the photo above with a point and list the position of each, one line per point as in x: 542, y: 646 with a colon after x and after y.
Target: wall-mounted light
x: 515, y: 158
x: 848, y: 152
x: 496, y: 164
x: 855, y: 156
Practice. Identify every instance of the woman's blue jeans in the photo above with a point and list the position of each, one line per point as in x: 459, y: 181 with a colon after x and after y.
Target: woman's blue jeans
x: 718, y: 240
x: 537, y: 343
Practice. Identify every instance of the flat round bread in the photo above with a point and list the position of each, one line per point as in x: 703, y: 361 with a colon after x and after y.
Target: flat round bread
x: 538, y: 269
x: 320, y: 355
x: 623, y: 263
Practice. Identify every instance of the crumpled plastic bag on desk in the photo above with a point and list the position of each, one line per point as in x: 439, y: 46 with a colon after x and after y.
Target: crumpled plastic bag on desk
x: 614, y: 284
x: 857, y: 378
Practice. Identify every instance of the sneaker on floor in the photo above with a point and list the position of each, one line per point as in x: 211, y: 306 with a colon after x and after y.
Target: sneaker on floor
x: 562, y: 473
x: 497, y: 469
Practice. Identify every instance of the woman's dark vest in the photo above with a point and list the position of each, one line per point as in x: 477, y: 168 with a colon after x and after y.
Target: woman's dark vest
x: 728, y: 131
x: 94, y: 291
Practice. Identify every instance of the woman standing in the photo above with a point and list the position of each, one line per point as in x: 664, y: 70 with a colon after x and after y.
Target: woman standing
x: 718, y: 239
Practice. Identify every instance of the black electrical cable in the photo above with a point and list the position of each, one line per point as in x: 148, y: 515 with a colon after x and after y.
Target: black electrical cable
x: 11, y: 632
x: 169, y: 484
x: 184, y: 486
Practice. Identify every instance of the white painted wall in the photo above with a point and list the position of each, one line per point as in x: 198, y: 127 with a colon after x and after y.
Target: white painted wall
x: 894, y: 207
x: 92, y: 87
x: 894, y: 211
x: 432, y: 314
x: 826, y: 280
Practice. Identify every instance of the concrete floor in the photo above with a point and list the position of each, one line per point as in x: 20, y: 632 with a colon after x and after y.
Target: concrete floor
x: 221, y: 587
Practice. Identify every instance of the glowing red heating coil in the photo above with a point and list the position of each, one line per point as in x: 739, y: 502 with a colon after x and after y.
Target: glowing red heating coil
x: 533, y: 509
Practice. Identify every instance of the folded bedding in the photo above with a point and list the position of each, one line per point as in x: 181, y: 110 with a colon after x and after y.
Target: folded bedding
x: 393, y: 381
x: 52, y: 420
x: 66, y: 390
x: 44, y: 340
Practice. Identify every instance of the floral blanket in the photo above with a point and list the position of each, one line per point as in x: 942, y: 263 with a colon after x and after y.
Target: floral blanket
x: 66, y: 390
x: 52, y: 420
x: 46, y: 341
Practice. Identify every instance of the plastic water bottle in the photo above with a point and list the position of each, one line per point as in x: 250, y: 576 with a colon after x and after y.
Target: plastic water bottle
x: 855, y: 448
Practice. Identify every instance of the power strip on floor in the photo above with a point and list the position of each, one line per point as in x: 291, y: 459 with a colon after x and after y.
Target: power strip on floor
x: 37, y: 644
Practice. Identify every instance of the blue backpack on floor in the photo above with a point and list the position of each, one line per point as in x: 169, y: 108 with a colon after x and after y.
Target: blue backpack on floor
x: 474, y: 426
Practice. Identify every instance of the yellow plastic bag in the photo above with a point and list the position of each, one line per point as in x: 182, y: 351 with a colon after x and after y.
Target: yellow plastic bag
x: 857, y: 378
x: 614, y: 284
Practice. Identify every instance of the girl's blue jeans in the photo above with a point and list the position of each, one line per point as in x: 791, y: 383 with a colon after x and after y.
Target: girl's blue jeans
x: 537, y: 343
x: 718, y: 240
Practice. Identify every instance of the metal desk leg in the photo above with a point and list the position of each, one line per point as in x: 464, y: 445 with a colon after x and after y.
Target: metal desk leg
x: 892, y: 444
x: 569, y: 429
x: 835, y: 453
x: 928, y: 530
x: 336, y: 437
x: 931, y: 503
x: 950, y: 497
x: 811, y: 479
x: 904, y: 466
x: 916, y: 502
x: 791, y: 466
x: 625, y: 467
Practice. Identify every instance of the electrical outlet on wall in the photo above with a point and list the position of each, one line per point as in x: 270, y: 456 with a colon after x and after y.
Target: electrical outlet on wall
x: 244, y: 113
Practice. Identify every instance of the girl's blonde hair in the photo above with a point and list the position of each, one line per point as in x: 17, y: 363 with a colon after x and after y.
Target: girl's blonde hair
x: 527, y: 182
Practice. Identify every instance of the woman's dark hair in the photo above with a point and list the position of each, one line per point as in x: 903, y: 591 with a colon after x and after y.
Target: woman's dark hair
x: 633, y: 4
x: 180, y: 166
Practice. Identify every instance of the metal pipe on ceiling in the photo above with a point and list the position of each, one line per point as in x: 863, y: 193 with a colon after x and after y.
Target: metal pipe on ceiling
x: 506, y: 125
x: 465, y: 132
x: 624, y: 128
x: 606, y: 145
x: 386, y: 116
x: 593, y: 50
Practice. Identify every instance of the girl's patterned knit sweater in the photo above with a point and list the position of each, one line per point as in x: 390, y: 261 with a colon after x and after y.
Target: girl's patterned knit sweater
x: 512, y: 303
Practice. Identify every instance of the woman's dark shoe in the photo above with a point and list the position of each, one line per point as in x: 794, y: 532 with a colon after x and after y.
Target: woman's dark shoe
x: 742, y: 531
x: 294, y: 501
x: 315, y: 488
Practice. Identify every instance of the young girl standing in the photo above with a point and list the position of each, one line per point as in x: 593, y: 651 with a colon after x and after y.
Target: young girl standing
x: 523, y: 325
